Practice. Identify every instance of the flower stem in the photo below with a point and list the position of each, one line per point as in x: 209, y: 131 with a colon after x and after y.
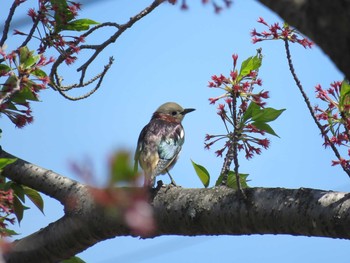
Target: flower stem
x: 232, y: 152
x: 308, y: 104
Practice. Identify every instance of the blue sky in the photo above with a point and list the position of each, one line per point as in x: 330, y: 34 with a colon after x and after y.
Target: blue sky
x: 170, y: 56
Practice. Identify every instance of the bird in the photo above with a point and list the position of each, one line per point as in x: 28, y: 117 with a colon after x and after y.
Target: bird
x: 160, y: 142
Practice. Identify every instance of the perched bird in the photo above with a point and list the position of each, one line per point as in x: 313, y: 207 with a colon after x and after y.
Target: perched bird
x: 160, y: 142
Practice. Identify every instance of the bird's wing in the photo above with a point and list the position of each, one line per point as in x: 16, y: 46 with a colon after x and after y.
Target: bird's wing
x: 139, y: 148
x: 169, y: 148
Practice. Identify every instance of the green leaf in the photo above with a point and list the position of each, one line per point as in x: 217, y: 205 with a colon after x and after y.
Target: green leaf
x: 18, y: 208
x: 39, y: 73
x: 266, y: 114
x: 35, y: 197
x: 202, y: 173
x: 345, y: 88
x: 219, y: 181
x: 11, y: 106
x: 6, y: 161
x: 4, y: 68
x: 251, y: 63
x: 344, y: 98
x: 252, y: 109
x: 232, y: 181
x: 121, y: 169
x: 10, y: 84
x: 18, y: 191
x: 62, y: 13
x: 25, y: 94
x: 26, y: 57
x: 5, y: 186
x: 7, y: 232
x: 265, y: 127
x: 24, y: 53
x: 73, y: 260
x: 79, y: 24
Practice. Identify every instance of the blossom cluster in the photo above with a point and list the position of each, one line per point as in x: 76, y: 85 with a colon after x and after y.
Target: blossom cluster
x: 54, y: 17
x: 23, y: 79
x: 239, y: 95
x: 335, y: 117
x: 276, y: 31
x: 6, y: 210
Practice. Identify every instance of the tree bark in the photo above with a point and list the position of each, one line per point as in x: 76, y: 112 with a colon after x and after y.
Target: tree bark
x: 177, y: 211
x: 325, y: 22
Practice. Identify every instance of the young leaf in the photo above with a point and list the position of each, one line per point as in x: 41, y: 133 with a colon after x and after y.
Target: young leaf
x: 202, y: 173
x: 251, y: 63
x: 265, y: 127
x: 11, y: 106
x: 24, y: 53
x: 26, y: 57
x: 35, y: 197
x: 62, y: 14
x: 345, y: 88
x: 121, y: 169
x: 10, y: 84
x: 7, y: 232
x: 18, y: 191
x: 25, y: 94
x: 79, y: 25
x: 4, y: 68
x: 267, y: 115
x: 18, y: 208
x: 6, y: 161
x: 219, y: 180
x: 252, y: 109
x: 344, y: 95
x: 39, y: 73
x: 232, y: 180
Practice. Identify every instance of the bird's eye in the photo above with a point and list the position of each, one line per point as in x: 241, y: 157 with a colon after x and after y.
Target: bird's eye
x: 173, y: 113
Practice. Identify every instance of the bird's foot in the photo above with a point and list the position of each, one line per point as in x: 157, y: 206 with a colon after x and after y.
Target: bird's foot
x: 172, y: 183
x: 160, y: 184
x: 169, y: 186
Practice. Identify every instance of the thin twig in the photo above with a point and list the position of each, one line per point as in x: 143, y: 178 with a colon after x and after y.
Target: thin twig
x: 56, y: 80
x: 308, y: 104
x: 232, y: 151
x: 235, y: 142
x: 8, y: 23
x: 98, y: 77
x: 31, y: 32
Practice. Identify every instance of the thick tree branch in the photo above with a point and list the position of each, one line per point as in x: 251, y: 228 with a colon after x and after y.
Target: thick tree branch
x: 325, y: 22
x: 178, y: 211
x: 40, y: 179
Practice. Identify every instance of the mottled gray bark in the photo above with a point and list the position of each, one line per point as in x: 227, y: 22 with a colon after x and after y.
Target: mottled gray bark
x: 326, y: 22
x: 178, y: 211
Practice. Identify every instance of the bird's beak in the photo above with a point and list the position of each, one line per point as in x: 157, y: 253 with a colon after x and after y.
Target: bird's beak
x: 185, y: 111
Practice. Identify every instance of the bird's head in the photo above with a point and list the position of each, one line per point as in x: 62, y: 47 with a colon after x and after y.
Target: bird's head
x: 172, y: 110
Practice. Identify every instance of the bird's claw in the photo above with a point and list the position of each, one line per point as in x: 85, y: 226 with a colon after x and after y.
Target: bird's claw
x: 173, y: 183
x: 160, y: 184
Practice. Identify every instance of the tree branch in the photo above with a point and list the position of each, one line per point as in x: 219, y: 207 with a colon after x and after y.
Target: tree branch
x: 325, y: 22
x: 56, y: 82
x: 40, y: 179
x: 177, y: 211
x: 8, y: 23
